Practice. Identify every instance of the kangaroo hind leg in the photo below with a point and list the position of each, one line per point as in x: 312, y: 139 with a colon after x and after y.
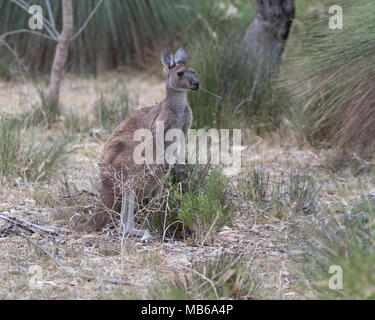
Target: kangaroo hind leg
x: 127, y: 218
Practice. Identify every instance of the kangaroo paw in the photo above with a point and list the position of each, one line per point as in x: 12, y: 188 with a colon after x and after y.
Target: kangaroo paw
x: 144, y: 234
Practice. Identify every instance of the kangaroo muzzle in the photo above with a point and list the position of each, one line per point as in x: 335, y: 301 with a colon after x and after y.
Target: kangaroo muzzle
x: 195, y: 85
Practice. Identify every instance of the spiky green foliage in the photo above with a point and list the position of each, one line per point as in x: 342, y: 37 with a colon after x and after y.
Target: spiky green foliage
x: 333, y: 73
x: 224, y: 71
x: 340, y: 249
x: 120, y: 32
x: 292, y: 195
x: 23, y: 154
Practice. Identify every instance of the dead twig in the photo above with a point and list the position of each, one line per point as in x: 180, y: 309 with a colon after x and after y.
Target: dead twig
x: 211, y: 227
x: 204, y: 278
x: 78, y: 194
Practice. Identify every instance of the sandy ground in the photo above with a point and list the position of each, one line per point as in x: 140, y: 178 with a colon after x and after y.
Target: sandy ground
x: 81, y: 94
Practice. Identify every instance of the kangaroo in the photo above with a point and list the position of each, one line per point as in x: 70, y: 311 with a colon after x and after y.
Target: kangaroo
x: 117, y: 163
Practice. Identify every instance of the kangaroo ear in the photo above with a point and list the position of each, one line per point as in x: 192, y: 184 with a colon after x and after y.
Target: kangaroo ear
x: 167, y: 59
x: 180, y: 56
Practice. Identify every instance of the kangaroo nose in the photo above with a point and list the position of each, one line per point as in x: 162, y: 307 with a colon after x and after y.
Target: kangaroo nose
x: 196, y: 84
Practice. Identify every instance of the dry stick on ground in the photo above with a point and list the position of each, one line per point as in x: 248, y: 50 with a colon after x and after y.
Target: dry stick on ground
x: 204, y: 278
x: 33, y: 228
x: 70, y: 272
x: 79, y: 193
x: 165, y: 217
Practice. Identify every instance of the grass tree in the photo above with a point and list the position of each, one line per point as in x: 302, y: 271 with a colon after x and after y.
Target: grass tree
x: 332, y: 73
x: 264, y: 41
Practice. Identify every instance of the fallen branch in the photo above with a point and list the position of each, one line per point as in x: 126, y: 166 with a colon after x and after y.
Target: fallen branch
x: 7, y: 230
x: 19, y: 227
x: 78, y: 194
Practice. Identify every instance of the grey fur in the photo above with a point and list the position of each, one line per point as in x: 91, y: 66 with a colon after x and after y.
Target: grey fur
x: 180, y: 56
x: 167, y: 59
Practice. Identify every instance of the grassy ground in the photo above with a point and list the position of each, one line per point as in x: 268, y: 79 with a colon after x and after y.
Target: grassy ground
x: 261, y: 232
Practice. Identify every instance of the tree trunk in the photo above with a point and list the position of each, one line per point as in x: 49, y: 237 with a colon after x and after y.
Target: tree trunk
x: 61, y: 55
x: 263, y: 44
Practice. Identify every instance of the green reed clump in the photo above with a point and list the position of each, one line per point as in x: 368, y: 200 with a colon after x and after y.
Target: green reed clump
x: 26, y: 154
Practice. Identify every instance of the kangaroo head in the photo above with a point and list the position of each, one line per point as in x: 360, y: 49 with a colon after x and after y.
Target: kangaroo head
x: 179, y: 76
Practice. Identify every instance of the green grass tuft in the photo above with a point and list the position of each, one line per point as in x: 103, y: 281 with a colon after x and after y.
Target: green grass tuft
x: 25, y: 154
x: 349, y: 246
x: 282, y: 197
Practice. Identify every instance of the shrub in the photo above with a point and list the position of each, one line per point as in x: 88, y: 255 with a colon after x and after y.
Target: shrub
x: 194, y: 206
x: 256, y: 185
x: 206, y: 207
x: 363, y: 210
x: 75, y: 122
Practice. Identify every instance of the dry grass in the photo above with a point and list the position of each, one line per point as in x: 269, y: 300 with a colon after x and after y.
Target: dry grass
x: 81, y: 94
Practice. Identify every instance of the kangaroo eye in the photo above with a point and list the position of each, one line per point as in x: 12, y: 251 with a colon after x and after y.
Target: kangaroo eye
x: 180, y: 74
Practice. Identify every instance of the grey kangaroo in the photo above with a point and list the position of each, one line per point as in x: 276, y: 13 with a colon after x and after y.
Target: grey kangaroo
x: 117, y: 166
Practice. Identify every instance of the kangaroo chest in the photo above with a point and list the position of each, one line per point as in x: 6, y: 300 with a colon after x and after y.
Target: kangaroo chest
x: 175, y: 117
x: 178, y: 121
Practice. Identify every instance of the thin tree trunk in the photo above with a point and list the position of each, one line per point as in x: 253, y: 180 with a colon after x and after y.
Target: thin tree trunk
x: 263, y: 44
x: 61, y: 55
